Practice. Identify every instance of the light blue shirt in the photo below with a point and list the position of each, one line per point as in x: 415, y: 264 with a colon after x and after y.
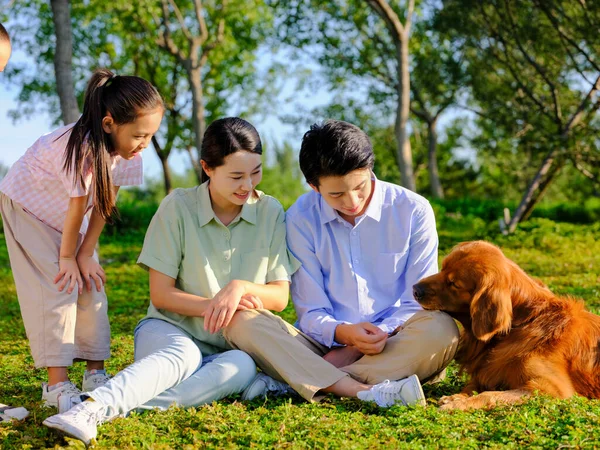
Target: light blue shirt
x: 360, y: 273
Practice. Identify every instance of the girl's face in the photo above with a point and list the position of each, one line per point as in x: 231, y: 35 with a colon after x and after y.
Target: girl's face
x: 234, y: 181
x: 5, y: 50
x: 129, y: 139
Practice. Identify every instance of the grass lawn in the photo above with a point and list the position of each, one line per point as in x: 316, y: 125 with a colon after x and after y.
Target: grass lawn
x: 566, y: 257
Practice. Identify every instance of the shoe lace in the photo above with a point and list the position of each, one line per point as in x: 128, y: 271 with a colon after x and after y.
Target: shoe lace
x: 87, y: 416
x: 99, y: 379
x: 277, y: 387
x: 70, y: 389
x: 386, y: 393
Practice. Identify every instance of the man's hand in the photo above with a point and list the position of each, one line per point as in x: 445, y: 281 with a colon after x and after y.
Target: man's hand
x: 366, y: 337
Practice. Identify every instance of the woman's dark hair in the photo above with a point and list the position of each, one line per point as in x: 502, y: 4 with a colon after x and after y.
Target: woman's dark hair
x: 125, y: 98
x: 334, y: 148
x: 4, y: 34
x: 226, y: 136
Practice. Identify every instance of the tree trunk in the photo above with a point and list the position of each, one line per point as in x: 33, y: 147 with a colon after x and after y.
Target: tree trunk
x: 404, y: 151
x: 542, y: 188
x: 530, y: 197
x: 434, y: 177
x: 163, y: 156
x: 63, y: 57
x: 198, y: 113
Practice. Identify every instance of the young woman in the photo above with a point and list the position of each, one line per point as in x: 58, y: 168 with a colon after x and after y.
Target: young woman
x: 211, y: 250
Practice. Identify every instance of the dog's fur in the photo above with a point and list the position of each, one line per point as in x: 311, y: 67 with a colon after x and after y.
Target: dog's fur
x: 518, y: 337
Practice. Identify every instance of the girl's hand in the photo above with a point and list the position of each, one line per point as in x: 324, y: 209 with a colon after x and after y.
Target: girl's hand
x: 90, y: 268
x: 250, y: 301
x: 223, y: 306
x: 69, y: 273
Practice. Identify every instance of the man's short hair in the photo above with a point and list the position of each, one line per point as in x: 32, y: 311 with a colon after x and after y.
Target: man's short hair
x: 334, y: 148
x: 4, y: 34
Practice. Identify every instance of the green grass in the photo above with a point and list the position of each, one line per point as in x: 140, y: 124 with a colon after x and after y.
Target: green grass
x: 565, y: 256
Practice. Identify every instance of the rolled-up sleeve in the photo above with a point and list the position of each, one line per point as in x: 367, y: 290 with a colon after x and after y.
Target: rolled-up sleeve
x: 313, y: 307
x: 162, y: 250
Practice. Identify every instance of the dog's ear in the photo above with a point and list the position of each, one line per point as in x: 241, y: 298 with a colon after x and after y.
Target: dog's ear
x: 491, y: 309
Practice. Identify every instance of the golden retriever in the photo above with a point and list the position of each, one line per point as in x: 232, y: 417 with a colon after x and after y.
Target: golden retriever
x: 518, y: 337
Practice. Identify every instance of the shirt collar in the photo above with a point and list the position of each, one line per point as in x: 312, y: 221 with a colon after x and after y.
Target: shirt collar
x: 206, y: 213
x: 373, y: 210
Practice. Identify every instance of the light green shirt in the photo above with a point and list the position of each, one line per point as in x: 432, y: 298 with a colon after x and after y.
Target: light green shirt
x: 186, y: 241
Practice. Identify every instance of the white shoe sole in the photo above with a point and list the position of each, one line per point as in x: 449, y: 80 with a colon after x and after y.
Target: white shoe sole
x: 417, y: 391
x: 67, y: 429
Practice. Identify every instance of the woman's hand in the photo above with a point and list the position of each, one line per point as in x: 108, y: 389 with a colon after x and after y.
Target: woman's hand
x: 90, y: 268
x: 68, y: 272
x: 250, y: 301
x: 223, y: 306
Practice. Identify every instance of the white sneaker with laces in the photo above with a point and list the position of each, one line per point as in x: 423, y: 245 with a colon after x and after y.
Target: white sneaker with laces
x: 264, y: 385
x: 93, y: 379
x: 50, y: 397
x: 407, y: 391
x: 10, y: 413
x: 80, y: 422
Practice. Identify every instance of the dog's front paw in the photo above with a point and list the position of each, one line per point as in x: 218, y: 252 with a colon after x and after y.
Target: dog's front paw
x: 460, y: 404
x: 451, y: 398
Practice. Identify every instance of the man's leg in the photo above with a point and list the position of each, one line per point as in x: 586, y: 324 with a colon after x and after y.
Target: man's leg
x: 425, y: 346
x: 286, y: 354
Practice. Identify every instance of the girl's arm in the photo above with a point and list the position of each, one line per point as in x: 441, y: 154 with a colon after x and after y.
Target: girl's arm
x: 88, y: 266
x: 68, y: 268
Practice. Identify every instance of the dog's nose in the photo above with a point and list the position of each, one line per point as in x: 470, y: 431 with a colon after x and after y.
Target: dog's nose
x: 418, y: 292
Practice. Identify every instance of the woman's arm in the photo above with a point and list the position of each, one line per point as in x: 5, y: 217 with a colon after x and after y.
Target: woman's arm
x: 164, y: 295
x: 231, y: 298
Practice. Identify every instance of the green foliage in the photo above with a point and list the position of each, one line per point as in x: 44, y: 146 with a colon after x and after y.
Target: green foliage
x: 564, y: 256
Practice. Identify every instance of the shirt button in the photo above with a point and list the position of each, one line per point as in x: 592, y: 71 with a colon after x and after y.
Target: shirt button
x: 356, y: 261
x: 354, y: 233
x: 226, y: 257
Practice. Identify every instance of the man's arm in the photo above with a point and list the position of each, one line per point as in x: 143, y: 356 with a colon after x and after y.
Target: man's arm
x: 313, y: 307
x: 422, y: 262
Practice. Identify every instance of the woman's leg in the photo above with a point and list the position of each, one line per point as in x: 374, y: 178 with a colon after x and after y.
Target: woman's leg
x: 220, y: 376
x: 165, y: 356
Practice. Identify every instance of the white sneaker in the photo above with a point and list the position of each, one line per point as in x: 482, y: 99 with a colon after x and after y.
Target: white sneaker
x: 80, y: 422
x: 264, y: 385
x: 94, y: 379
x: 387, y: 393
x: 10, y: 413
x: 50, y: 397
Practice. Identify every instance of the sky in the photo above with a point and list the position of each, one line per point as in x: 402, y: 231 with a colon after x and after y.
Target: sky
x: 16, y: 138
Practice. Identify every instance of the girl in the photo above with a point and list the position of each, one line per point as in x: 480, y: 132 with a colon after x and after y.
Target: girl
x: 51, y: 242
x: 211, y: 250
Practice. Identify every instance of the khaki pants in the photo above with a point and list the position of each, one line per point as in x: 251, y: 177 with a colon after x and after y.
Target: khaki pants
x: 60, y: 327
x: 425, y: 346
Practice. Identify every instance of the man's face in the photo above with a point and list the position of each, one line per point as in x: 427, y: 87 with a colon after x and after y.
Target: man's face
x: 349, y: 194
x: 5, y: 50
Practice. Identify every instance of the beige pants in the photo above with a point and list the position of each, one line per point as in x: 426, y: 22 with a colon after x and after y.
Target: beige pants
x: 425, y: 346
x: 60, y: 327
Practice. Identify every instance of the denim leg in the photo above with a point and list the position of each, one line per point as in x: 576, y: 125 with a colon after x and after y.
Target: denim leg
x: 165, y: 356
x: 221, y: 375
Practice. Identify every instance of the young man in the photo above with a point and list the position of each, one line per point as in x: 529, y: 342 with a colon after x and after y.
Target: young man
x: 5, y: 48
x: 362, y: 244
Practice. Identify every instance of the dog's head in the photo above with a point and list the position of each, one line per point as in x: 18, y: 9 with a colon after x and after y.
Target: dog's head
x: 475, y: 282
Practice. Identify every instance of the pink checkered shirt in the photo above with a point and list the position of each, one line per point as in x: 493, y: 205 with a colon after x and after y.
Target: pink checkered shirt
x: 39, y: 184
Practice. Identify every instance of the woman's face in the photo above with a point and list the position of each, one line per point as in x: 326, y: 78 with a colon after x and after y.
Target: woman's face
x: 234, y: 181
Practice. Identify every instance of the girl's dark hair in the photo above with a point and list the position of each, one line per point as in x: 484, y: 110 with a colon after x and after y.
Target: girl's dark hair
x: 226, y: 136
x: 125, y: 98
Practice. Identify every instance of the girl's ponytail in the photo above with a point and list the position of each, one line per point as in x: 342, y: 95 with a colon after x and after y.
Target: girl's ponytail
x: 124, y: 97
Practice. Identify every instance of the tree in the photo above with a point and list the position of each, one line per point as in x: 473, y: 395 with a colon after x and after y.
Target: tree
x: 535, y: 71
x: 63, y: 56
